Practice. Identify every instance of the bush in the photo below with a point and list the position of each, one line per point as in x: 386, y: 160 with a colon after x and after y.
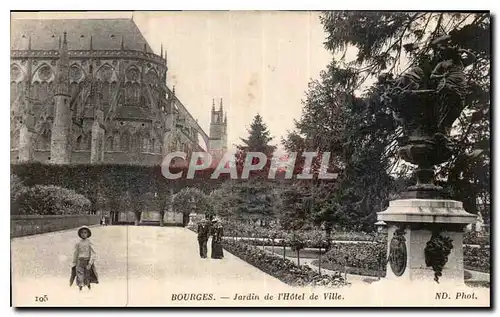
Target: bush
x: 283, y: 269
x: 373, y: 256
x: 16, y: 186
x: 476, y: 238
x: 51, y: 200
x: 368, y: 256
x: 477, y: 259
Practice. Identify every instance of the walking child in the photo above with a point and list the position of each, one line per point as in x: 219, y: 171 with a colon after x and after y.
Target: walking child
x: 83, y: 260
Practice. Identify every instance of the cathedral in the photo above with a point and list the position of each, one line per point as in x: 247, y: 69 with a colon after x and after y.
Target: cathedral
x: 93, y: 91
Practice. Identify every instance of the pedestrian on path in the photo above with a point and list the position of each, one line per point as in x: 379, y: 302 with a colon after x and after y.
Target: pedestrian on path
x: 203, y: 234
x: 84, y: 255
x: 217, y: 232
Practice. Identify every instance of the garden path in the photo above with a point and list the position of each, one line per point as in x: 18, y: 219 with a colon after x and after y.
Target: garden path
x: 137, y: 266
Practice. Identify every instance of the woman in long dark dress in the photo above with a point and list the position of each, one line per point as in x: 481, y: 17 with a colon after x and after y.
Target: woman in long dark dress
x: 217, y: 232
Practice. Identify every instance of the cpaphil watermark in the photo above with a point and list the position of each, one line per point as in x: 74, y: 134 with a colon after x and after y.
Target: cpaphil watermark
x: 227, y: 165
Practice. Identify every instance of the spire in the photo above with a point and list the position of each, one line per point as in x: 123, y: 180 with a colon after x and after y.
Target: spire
x: 161, y: 50
x: 122, y: 45
x: 145, y: 48
x: 225, y: 118
x: 213, y: 104
x: 62, y: 77
x: 165, y: 56
x: 220, y: 107
x: 91, y: 48
x: 173, y: 90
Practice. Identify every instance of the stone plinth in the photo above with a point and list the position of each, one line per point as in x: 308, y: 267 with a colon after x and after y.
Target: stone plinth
x: 411, y: 223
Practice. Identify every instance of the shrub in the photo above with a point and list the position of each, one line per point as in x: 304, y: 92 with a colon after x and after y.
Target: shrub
x: 367, y: 256
x: 16, y: 186
x: 477, y: 259
x: 476, y: 238
x: 51, y: 200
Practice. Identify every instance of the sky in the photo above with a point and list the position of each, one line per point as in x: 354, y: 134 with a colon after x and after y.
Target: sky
x: 256, y: 61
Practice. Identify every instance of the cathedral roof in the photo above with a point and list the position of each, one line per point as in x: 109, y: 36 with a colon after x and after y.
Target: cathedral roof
x: 106, y: 34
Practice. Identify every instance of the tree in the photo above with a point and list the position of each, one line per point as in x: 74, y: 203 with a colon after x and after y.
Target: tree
x: 221, y: 200
x: 257, y: 141
x: 259, y: 138
x: 392, y: 42
x: 362, y: 130
x: 190, y: 200
x: 297, y: 207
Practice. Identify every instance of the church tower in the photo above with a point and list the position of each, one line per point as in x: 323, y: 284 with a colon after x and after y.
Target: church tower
x: 218, y: 132
x: 60, y: 148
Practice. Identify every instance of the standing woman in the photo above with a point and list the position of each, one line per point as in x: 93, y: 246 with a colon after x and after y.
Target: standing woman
x: 217, y: 232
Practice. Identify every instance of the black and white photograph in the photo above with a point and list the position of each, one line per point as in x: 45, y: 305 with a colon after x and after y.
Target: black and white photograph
x: 250, y: 158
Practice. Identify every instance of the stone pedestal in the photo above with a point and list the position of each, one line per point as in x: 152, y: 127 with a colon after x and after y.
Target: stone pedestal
x: 411, y: 223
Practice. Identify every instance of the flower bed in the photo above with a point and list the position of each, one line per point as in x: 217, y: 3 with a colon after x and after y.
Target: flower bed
x: 476, y: 238
x: 477, y: 259
x: 283, y: 269
x: 366, y: 256
x: 371, y: 257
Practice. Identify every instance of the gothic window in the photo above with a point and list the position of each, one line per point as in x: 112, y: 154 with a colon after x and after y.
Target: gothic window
x: 128, y: 93
x: 109, y: 143
x: 44, y: 91
x: 87, y: 142
x: 153, y: 146
x: 116, y: 141
x: 75, y: 73
x: 145, y: 144
x: 152, y: 78
x: 132, y: 74
x: 136, y: 143
x: 36, y: 90
x: 125, y: 142
x: 15, y: 72
x: 136, y: 89
x: 73, y: 88
x: 43, y: 143
x: 105, y: 92
x: 50, y: 91
x: 105, y: 72
x: 78, y: 142
x: 45, y: 72
x: 113, y: 91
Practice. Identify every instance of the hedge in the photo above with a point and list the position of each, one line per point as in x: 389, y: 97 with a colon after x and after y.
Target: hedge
x: 110, y: 182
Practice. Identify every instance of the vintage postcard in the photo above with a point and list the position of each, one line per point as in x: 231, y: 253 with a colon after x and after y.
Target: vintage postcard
x: 250, y: 159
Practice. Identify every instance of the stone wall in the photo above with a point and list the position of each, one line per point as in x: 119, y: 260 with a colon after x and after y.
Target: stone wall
x: 25, y: 225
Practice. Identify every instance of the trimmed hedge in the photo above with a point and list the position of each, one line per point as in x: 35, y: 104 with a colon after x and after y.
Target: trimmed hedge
x: 109, y: 184
x: 50, y: 200
x: 283, y: 269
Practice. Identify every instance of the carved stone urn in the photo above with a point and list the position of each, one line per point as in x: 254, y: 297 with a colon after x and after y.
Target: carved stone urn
x: 425, y: 229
